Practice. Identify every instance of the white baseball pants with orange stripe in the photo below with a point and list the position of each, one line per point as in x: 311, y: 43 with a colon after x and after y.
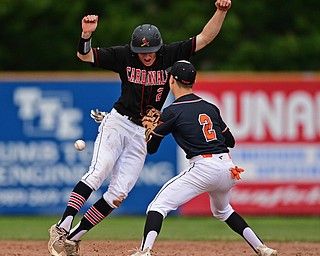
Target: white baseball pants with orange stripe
x: 209, y: 174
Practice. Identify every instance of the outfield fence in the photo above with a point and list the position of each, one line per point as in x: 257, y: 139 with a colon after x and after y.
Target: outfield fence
x: 275, y: 119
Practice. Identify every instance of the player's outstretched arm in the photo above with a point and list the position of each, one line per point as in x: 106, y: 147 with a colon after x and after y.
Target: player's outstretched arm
x: 212, y: 28
x: 89, y: 24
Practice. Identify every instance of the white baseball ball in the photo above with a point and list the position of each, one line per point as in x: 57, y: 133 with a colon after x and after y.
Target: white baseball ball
x: 80, y: 145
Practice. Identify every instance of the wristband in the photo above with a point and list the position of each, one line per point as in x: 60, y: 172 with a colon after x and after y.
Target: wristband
x: 84, y: 46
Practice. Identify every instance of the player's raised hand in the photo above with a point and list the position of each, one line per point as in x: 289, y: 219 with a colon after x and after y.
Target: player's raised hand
x: 89, y: 24
x: 223, y: 5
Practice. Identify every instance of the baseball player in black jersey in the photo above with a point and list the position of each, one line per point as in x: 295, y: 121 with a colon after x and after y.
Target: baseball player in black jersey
x: 199, y: 130
x: 120, y: 148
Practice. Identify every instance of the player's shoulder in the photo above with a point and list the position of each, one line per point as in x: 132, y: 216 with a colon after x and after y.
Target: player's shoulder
x: 117, y: 50
x: 169, y: 112
x: 205, y: 101
x: 124, y: 49
x: 176, y: 44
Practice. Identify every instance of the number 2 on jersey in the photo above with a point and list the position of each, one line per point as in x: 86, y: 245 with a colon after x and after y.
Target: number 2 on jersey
x: 207, y: 127
x: 159, y: 94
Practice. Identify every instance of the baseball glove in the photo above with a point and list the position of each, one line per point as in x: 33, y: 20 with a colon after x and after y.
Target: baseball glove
x: 97, y: 115
x: 235, y: 172
x: 150, y: 121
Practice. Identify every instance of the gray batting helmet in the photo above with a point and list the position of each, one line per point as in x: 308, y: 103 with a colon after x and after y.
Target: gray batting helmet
x: 146, y: 38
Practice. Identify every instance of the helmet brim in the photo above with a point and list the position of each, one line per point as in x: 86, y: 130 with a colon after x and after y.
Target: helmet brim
x: 145, y: 49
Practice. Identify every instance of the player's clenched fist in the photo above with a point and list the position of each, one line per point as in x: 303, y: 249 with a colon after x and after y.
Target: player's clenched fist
x: 89, y: 23
x: 223, y: 5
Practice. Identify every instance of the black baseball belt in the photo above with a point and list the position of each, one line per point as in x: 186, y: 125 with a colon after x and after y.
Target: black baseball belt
x: 137, y: 121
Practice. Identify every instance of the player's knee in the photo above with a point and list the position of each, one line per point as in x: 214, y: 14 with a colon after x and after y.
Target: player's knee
x: 114, y: 201
x: 92, y: 181
x: 224, y: 214
x: 158, y: 208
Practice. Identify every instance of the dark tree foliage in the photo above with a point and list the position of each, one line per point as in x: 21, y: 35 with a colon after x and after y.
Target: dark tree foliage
x: 266, y: 35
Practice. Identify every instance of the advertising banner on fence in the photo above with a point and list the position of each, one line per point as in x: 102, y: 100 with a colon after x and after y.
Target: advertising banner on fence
x: 276, y: 122
x: 39, y: 122
x: 274, y: 118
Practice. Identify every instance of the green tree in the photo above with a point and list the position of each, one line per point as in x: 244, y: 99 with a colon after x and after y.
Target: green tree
x: 265, y: 35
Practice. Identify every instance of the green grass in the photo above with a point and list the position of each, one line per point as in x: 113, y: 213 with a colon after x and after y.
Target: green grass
x: 174, y: 228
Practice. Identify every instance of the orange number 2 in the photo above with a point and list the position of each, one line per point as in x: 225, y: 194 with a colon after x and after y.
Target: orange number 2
x: 207, y: 127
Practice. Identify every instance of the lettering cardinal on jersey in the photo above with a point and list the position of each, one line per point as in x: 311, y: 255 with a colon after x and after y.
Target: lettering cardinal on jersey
x: 148, y: 78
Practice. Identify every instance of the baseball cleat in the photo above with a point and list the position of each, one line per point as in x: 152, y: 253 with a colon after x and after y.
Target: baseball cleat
x: 265, y: 251
x: 72, y: 247
x: 56, y: 241
x: 146, y: 252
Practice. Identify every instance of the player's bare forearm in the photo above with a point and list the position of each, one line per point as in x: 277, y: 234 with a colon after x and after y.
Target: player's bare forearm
x: 213, y: 26
x: 86, y: 35
x: 86, y: 58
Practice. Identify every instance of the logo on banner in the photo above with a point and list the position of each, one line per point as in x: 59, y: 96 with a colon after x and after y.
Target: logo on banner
x: 48, y: 113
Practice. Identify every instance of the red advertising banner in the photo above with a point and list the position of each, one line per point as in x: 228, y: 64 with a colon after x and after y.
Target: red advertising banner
x: 265, y: 199
x: 275, y: 119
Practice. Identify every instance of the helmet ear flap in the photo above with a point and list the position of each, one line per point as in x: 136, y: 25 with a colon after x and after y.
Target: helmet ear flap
x: 146, y: 38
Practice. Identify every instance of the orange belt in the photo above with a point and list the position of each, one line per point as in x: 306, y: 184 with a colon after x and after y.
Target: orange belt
x: 210, y: 155
x: 206, y: 155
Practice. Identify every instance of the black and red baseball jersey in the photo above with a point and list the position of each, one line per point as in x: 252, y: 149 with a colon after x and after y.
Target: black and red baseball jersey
x: 196, y: 125
x: 142, y: 86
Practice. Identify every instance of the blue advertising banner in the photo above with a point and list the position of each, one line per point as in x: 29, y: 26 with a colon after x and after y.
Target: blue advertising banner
x: 39, y: 122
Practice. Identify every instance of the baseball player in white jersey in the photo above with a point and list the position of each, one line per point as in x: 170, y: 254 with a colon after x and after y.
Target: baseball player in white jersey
x: 199, y: 130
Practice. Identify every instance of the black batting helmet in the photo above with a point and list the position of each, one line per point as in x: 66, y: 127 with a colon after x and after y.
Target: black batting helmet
x: 146, y: 38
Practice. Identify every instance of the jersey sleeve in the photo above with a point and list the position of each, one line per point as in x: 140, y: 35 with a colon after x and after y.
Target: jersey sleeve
x: 109, y: 58
x: 166, y: 126
x: 167, y: 123
x: 181, y: 50
x: 228, y: 137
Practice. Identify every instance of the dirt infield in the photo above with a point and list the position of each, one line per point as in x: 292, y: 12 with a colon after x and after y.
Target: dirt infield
x: 163, y: 248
